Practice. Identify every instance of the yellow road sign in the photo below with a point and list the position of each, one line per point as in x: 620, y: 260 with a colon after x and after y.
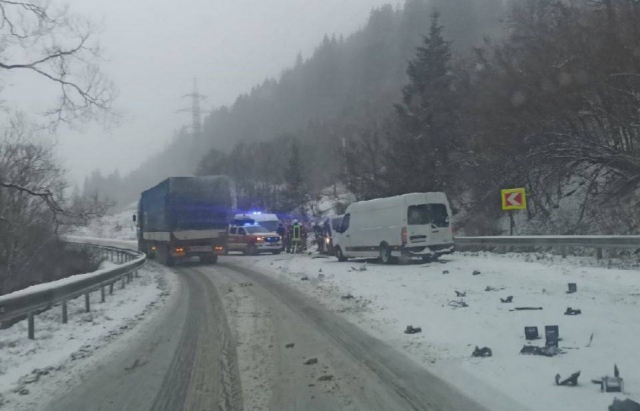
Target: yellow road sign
x: 514, y: 199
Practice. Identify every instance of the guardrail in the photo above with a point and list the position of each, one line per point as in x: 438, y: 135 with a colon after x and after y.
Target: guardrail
x: 599, y: 242
x: 42, y: 297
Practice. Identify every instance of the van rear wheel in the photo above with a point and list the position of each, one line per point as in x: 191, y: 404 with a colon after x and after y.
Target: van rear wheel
x: 385, y: 254
x: 340, y: 256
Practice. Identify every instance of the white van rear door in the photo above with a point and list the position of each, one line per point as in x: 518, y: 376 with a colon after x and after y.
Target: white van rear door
x: 418, y: 227
x: 439, y: 223
x: 428, y: 224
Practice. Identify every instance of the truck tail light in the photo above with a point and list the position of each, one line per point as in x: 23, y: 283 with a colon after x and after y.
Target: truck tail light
x: 403, y: 235
x: 219, y: 248
x: 179, y: 250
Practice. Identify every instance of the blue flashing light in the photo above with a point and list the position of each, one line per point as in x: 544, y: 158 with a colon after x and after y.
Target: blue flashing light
x: 257, y: 212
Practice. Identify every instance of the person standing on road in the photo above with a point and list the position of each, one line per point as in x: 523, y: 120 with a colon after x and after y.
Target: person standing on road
x: 288, y: 236
x: 296, y: 236
x: 282, y: 232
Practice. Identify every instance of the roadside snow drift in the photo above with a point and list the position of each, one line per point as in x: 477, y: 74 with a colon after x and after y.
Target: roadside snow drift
x: 27, y: 367
x: 385, y: 299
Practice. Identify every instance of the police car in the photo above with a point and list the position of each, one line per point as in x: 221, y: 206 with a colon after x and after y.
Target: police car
x: 253, y: 239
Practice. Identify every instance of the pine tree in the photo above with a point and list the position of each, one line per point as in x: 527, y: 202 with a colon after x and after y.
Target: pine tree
x: 295, y: 194
x: 425, y: 135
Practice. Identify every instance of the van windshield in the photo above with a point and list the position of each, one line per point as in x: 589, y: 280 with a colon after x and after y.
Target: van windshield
x: 423, y: 214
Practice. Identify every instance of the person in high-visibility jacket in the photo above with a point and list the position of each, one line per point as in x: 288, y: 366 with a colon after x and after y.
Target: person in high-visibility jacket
x: 296, y: 235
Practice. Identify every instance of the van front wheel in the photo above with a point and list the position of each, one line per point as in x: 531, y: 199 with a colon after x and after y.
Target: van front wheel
x: 340, y: 256
x: 385, y: 254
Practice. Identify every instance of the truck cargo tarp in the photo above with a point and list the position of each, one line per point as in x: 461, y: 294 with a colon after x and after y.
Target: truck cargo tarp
x: 187, y: 203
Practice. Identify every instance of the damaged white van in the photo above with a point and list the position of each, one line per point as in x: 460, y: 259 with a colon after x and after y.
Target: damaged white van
x: 401, y: 227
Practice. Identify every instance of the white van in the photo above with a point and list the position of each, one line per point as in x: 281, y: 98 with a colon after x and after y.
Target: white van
x: 410, y: 225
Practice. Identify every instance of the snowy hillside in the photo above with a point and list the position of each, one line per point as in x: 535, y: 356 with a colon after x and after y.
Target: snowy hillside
x: 118, y: 226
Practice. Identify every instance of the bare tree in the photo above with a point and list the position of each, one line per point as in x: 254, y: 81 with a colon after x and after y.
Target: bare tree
x: 33, y: 207
x: 53, y: 44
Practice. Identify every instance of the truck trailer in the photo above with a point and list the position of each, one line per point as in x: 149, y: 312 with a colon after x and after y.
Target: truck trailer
x: 185, y: 217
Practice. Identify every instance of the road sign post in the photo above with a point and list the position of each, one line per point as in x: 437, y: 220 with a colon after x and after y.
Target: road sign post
x: 513, y: 199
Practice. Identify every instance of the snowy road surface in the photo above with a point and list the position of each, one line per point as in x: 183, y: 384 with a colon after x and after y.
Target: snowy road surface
x: 389, y: 298
x: 237, y: 339
x: 249, y: 333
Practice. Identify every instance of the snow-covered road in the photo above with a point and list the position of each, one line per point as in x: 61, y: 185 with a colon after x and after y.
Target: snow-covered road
x: 33, y: 370
x: 389, y: 298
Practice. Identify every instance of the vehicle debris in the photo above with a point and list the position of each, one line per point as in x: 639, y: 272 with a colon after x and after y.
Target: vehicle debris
x: 571, y: 311
x: 571, y: 381
x: 476, y: 272
x: 507, y: 300
x: 573, y: 287
x: 526, y: 309
x: 611, y: 384
x: 544, y: 351
x: 348, y: 297
x: 590, y: 341
x: 552, y: 335
x: 290, y: 345
x: 458, y: 304
x: 304, y: 278
x: 311, y: 361
x: 482, y: 352
x: 411, y: 330
x: 461, y: 294
x: 531, y: 333
x: 624, y: 405
x: 445, y: 272
x: 327, y: 377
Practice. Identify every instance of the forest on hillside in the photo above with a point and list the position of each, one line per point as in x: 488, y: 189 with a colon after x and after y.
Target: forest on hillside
x: 461, y: 96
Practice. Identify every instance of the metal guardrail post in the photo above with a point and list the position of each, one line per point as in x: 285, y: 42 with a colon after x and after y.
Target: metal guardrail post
x: 17, y: 307
x: 122, y: 285
x: 599, y: 253
x: 563, y: 250
x: 65, y: 317
x: 31, y: 326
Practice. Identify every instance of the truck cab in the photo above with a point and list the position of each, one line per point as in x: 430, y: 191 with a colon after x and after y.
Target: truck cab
x: 253, y: 239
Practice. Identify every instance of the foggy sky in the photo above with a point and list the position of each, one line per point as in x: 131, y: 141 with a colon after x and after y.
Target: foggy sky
x: 154, y: 48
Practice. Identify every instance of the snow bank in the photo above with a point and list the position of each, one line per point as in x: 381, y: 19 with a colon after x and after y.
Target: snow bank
x: 104, y: 268
x: 389, y: 298
x: 28, y: 366
x: 118, y: 226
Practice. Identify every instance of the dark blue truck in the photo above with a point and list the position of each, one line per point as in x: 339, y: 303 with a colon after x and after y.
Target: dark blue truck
x: 185, y: 217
